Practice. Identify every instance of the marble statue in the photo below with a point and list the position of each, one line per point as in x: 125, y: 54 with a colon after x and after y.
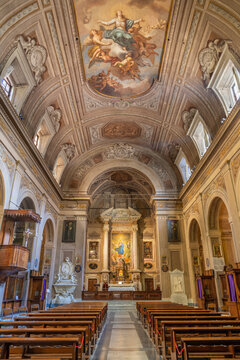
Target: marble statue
x: 178, y: 294
x: 65, y: 284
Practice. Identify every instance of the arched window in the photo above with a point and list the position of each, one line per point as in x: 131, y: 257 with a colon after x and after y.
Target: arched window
x: 199, y: 133
x: 225, y: 80
x: 48, y: 126
x: 183, y: 166
x: 17, y: 78
x: 7, y: 87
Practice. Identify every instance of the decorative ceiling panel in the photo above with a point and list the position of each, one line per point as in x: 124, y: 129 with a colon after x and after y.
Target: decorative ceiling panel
x: 122, y: 43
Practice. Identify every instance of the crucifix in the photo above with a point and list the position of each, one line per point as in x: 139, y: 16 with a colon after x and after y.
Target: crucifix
x: 27, y: 233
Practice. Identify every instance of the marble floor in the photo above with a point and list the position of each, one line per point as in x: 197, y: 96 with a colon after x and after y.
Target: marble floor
x: 123, y: 337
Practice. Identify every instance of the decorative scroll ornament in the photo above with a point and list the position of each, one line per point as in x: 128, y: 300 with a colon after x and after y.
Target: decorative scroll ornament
x: 55, y: 116
x: 209, y: 56
x: 187, y: 117
x: 156, y: 166
x: 69, y: 150
x: 36, y: 55
x: 173, y: 150
x: 82, y: 170
x: 120, y: 151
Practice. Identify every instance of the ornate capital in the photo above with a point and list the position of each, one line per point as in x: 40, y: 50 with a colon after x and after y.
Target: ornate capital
x: 135, y: 227
x: 105, y: 227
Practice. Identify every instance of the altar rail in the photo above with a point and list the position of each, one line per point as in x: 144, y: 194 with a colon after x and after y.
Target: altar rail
x: 121, y: 295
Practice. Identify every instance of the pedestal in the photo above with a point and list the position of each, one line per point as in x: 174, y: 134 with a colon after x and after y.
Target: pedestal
x: 177, y: 287
x: 64, y: 293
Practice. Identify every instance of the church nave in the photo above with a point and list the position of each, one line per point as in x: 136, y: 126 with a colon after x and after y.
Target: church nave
x: 124, y: 337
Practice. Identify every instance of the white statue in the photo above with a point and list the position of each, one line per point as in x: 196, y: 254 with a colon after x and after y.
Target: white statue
x: 178, y: 294
x: 177, y: 285
x: 66, y: 272
x: 65, y: 284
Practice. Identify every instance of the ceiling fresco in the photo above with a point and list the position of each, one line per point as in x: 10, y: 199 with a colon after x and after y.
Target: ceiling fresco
x: 122, y: 43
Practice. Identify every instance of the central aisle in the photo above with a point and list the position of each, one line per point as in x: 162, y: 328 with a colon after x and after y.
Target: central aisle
x: 124, y: 337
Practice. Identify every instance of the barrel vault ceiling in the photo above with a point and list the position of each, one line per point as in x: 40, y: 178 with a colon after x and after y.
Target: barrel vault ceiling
x: 126, y: 108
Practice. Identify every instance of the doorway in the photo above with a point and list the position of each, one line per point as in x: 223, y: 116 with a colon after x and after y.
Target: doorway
x: 92, y: 284
x: 149, y: 285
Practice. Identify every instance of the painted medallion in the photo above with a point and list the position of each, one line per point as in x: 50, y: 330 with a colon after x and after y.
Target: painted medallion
x: 122, y: 43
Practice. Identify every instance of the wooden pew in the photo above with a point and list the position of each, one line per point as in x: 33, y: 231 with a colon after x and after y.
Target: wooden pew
x: 81, y: 332
x: 149, y: 312
x: 163, y: 328
x: 207, y: 347
x: 92, y: 334
x: 49, y: 343
x: 178, y: 332
x: 94, y: 319
x: 66, y: 320
x: 150, y: 315
x: 143, y: 306
x: 178, y: 316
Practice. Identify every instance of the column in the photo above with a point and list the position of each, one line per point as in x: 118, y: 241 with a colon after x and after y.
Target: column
x: 80, y: 249
x: 105, y: 247
x: 162, y: 239
x: 190, y: 274
x: 234, y: 218
x: 135, y: 248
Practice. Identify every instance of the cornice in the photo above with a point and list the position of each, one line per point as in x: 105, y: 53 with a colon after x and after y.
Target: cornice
x: 31, y: 153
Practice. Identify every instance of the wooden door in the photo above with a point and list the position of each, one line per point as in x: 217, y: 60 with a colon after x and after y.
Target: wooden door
x: 149, y: 285
x: 92, y: 284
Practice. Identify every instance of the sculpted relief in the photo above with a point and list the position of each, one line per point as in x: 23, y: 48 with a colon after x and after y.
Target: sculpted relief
x: 121, y: 130
x: 122, y: 43
x: 209, y: 56
x: 36, y: 55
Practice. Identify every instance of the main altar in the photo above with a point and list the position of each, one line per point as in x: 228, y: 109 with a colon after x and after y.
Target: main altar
x: 120, y: 257
x: 120, y: 249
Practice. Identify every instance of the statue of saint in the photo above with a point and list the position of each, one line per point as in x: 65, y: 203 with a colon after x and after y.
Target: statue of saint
x: 66, y: 271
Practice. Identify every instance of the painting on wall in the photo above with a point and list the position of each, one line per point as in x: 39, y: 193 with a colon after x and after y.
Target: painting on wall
x: 48, y: 256
x: 69, y: 231
x: 122, y: 43
x: 120, y: 249
x: 173, y: 231
x: 93, y: 250
x: 147, y: 246
x: 217, y: 252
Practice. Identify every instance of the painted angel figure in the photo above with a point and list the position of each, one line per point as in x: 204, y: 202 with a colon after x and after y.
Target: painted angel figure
x: 120, y: 34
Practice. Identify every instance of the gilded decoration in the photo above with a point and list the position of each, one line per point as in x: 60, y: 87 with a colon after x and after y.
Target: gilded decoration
x: 122, y: 43
x: 235, y: 166
x: 121, y: 130
x: 7, y: 159
x: 217, y: 184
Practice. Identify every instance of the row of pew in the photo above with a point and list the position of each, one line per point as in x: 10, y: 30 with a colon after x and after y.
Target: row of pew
x: 68, y: 331
x: 184, y: 332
